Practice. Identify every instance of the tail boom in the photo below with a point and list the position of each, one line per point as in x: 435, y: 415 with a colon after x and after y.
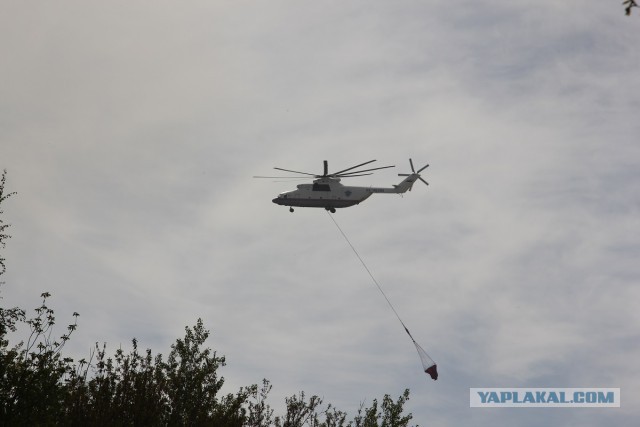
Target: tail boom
x: 400, y: 188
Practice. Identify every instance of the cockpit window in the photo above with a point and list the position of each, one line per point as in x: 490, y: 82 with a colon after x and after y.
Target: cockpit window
x: 321, y: 187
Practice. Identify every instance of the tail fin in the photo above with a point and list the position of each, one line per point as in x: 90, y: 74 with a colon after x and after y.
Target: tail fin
x: 406, y: 183
x: 410, y: 179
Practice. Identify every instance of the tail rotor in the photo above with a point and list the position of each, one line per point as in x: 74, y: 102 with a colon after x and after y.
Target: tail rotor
x: 416, y: 173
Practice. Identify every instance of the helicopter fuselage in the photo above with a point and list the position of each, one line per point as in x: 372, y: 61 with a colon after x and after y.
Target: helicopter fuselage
x: 330, y: 194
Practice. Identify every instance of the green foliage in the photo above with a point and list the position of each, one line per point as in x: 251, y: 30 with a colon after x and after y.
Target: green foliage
x: 40, y: 386
x: 32, y: 372
x: 3, y: 226
x: 300, y: 412
x: 390, y: 413
x: 192, y: 377
x: 140, y: 389
x: 259, y: 413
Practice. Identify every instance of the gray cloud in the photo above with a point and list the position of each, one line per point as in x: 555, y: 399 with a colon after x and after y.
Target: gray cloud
x: 131, y: 133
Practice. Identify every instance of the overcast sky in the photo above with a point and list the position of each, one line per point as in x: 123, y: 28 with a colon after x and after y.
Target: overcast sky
x: 132, y: 130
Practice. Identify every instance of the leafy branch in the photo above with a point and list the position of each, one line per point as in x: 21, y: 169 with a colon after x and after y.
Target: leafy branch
x: 3, y: 226
x: 630, y: 4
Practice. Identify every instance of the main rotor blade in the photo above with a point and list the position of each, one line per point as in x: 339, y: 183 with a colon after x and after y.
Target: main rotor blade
x: 420, y: 178
x: 303, y: 173
x: 411, y: 163
x: 364, y: 170
x: 420, y: 170
x: 281, y: 177
x: 350, y: 176
x: 353, y: 167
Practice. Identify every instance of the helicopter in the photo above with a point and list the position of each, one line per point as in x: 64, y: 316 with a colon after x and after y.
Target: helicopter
x: 329, y: 193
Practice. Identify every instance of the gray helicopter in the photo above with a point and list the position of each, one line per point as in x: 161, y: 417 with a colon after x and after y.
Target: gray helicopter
x: 329, y: 193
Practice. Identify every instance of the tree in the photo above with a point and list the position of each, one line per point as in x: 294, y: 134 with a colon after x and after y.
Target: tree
x: 390, y: 413
x: 40, y: 386
x: 32, y: 373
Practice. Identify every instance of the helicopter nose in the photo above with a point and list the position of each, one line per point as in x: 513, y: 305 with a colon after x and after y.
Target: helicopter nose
x: 276, y: 201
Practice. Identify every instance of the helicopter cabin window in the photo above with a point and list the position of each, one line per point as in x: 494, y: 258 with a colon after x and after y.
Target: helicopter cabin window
x: 320, y: 187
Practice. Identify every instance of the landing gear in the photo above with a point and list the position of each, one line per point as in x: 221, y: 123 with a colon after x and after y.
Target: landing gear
x: 332, y: 210
x: 291, y: 210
